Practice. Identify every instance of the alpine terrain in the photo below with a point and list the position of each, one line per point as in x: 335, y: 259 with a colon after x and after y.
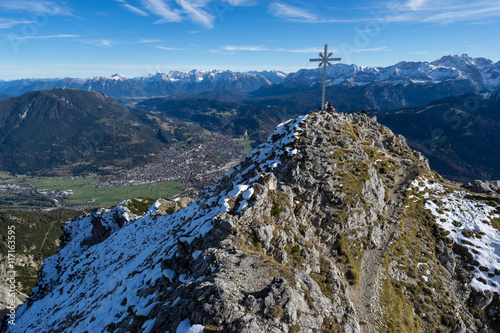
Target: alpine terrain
x: 332, y: 225
x: 63, y: 129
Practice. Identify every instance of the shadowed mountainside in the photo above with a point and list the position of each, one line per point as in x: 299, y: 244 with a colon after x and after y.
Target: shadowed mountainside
x: 333, y: 224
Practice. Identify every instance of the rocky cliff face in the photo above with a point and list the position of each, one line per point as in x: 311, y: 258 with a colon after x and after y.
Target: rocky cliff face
x: 332, y: 225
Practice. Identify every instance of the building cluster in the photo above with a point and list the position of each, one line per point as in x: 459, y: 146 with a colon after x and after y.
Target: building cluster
x: 194, y: 166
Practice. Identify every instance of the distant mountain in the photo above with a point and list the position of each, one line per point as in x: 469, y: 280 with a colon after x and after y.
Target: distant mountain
x: 459, y: 134
x: 229, y: 118
x: 405, y: 84
x: 382, y: 96
x: 480, y: 73
x: 4, y: 96
x: 159, y: 84
x: 273, y: 76
x: 65, y: 128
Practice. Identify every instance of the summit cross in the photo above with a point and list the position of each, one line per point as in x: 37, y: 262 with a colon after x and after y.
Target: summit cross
x: 324, y: 60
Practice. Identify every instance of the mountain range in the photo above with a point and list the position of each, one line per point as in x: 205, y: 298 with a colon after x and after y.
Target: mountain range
x: 158, y: 84
x: 332, y: 225
x: 480, y: 73
x: 404, y: 84
x: 75, y: 132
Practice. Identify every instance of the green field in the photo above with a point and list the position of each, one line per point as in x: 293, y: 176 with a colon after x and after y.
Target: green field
x: 85, y: 191
x: 249, y: 145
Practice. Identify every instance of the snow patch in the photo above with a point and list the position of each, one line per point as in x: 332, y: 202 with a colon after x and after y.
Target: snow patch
x: 187, y: 327
x: 469, y: 224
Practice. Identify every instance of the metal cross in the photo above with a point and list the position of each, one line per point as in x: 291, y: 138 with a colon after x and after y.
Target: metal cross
x: 324, y: 59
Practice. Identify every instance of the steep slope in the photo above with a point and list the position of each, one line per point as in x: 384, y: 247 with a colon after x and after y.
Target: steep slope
x: 37, y: 236
x: 331, y: 225
x: 63, y: 128
x: 233, y: 119
x: 456, y: 133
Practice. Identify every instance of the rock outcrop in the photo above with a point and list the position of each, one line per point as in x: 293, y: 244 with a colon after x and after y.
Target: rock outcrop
x: 329, y: 226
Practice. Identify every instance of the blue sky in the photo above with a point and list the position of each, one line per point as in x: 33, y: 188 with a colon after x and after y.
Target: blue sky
x: 57, y: 38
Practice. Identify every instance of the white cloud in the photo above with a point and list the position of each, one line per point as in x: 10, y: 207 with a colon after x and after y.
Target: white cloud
x: 7, y: 24
x: 289, y: 12
x: 168, y: 48
x: 194, y: 9
x: 45, y: 37
x: 471, y: 14
x: 160, y: 8
x: 35, y: 6
x: 304, y: 50
x: 447, y: 11
x: 135, y: 10
x: 375, y: 49
x: 201, y: 12
x: 149, y: 41
x: 232, y: 48
x: 100, y: 42
x: 239, y: 2
x: 416, y: 4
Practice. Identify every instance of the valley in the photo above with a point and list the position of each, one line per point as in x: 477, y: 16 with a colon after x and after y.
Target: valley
x: 108, y: 165
x: 180, y: 170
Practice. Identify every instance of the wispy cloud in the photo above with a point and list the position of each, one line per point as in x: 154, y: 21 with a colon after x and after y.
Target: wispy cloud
x: 45, y: 37
x: 232, y: 48
x: 447, y: 11
x: 7, y: 24
x: 416, y: 4
x: 194, y: 10
x: 289, y: 12
x: 201, y: 12
x: 239, y: 2
x: 168, y: 48
x: 146, y: 41
x: 160, y: 8
x: 36, y: 6
x: 100, y: 42
x: 375, y: 49
x: 304, y: 50
x: 135, y: 10
x: 297, y: 14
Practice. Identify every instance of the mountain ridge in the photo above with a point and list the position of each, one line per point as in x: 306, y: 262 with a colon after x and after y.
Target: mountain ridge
x: 482, y: 73
x: 61, y: 128
x: 467, y: 73
x: 158, y: 84
x: 332, y: 224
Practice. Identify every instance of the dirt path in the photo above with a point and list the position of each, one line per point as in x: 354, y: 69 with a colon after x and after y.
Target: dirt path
x: 365, y: 294
x: 47, y: 233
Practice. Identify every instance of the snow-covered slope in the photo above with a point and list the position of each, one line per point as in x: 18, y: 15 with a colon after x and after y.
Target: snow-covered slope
x: 110, y: 259
x: 480, y: 71
x: 158, y: 84
x: 333, y: 224
x: 468, y: 223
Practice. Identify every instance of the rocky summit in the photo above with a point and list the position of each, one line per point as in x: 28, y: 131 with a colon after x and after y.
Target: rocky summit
x: 332, y: 225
